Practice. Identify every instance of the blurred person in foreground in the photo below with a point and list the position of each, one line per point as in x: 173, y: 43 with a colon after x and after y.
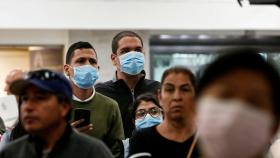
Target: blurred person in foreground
x: 238, y: 105
x: 175, y: 136
x: 146, y: 112
x: 17, y: 130
x: 45, y: 111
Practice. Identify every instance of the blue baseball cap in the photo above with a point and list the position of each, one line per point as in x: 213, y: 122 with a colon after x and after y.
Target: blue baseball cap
x: 45, y: 80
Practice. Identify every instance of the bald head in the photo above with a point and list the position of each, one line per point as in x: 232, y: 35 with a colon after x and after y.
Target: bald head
x: 12, y: 76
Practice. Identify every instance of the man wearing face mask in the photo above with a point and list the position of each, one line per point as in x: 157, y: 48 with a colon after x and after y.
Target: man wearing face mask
x: 105, y: 120
x: 129, y: 80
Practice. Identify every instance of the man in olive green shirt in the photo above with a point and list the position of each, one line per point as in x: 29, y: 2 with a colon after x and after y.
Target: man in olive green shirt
x: 105, y: 119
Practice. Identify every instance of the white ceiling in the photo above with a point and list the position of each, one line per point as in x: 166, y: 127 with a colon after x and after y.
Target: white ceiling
x: 137, y: 14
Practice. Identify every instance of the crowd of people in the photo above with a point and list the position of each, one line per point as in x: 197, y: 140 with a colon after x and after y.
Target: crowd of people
x: 230, y: 110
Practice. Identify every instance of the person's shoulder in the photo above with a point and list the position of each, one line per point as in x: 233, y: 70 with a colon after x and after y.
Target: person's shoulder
x: 90, y: 144
x: 106, y: 100
x: 15, y: 145
x: 148, y: 85
x: 150, y: 82
x: 86, y: 139
x: 106, y: 84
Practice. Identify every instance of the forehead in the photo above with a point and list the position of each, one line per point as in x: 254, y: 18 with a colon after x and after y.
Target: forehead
x: 246, y: 85
x: 245, y: 79
x: 85, y: 52
x: 177, y: 79
x: 129, y: 42
x: 146, y: 105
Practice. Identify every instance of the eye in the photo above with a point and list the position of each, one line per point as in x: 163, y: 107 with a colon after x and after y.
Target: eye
x: 140, y: 113
x: 81, y: 60
x: 186, y: 88
x: 169, y: 89
x: 24, y: 98
x: 92, y: 61
x: 154, y: 111
x: 138, y: 50
x: 123, y: 51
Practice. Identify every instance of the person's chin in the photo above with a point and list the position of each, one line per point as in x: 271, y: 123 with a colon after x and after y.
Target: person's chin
x: 32, y: 128
x: 177, y: 115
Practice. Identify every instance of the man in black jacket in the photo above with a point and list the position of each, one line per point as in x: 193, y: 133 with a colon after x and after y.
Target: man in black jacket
x: 45, y: 110
x: 129, y: 80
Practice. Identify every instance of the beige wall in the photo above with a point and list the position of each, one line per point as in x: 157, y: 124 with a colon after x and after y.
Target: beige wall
x: 12, y: 59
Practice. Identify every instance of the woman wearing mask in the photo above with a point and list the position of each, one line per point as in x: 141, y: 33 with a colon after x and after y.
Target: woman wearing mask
x: 238, y: 106
x: 175, y: 135
x: 146, y: 112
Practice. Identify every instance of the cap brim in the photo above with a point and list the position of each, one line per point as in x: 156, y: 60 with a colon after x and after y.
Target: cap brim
x: 18, y: 87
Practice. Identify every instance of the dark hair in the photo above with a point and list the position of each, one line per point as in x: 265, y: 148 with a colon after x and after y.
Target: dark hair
x: 245, y: 58
x: 120, y: 35
x: 77, y: 45
x: 148, y: 97
x: 179, y: 69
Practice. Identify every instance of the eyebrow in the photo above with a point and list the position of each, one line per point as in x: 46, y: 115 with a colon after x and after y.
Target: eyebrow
x: 86, y: 58
x: 171, y: 84
x: 139, y: 47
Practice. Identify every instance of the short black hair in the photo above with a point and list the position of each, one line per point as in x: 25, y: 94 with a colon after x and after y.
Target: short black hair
x: 77, y: 45
x: 246, y: 59
x: 148, y: 97
x: 180, y: 69
x: 120, y: 35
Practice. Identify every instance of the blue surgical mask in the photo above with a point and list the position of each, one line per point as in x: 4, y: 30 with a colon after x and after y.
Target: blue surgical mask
x: 148, y: 121
x: 132, y: 62
x: 85, y: 76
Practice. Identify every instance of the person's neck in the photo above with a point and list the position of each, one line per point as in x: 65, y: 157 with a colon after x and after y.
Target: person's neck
x: 50, y: 137
x: 130, y: 80
x: 178, y: 131
x: 82, y: 94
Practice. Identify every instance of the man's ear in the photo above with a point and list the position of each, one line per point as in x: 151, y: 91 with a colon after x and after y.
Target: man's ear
x: 66, y: 69
x: 65, y: 109
x: 113, y: 58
